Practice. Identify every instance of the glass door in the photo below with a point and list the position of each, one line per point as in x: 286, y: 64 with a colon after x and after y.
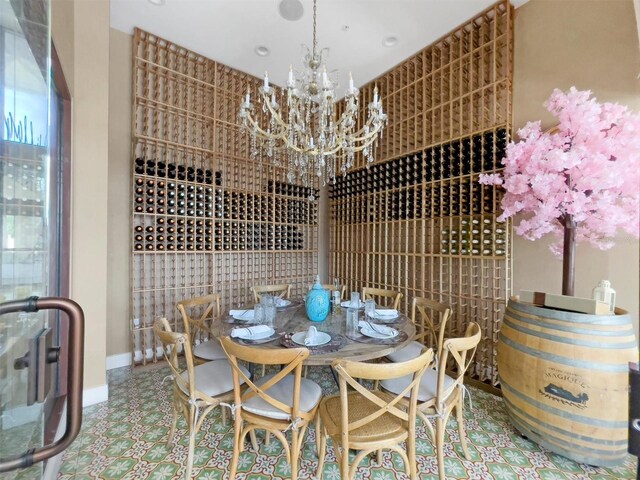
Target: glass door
x: 32, y: 233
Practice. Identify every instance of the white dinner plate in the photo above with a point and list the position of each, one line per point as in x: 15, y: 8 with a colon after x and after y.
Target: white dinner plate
x: 283, y: 303
x: 246, y: 316
x: 368, y: 332
x: 321, y: 339
x: 245, y: 334
x: 390, y: 315
x: 347, y: 304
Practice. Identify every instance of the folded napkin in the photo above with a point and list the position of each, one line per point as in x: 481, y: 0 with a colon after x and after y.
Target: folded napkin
x: 381, y: 330
x: 281, y: 302
x: 250, y: 332
x: 244, y: 314
x: 312, y: 336
x: 347, y: 304
x: 386, y: 312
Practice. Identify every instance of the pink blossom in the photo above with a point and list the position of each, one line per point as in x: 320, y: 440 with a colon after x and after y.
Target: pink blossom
x: 490, y: 179
x: 589, y: 169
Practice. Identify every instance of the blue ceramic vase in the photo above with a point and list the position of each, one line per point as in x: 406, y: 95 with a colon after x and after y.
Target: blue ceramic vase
x: 318, y: 302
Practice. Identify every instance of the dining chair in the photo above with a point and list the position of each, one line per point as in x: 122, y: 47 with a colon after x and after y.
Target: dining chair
x: 391, y: 297
x: 196, y: 313
x: 329, y: 286
x: 282, y: 291
x: 197, y: 389
x: 276, y: 403
x: 367, y: 420
x: 430, y: 319
x: 440, y: 393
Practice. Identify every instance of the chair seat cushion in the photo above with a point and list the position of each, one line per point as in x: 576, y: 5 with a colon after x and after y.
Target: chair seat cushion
x: 428, y: 385
x: 210, y: 350
x: 385, y: 427
x: 411, y: 351
x: 310, y: 394
x: 213, y: 378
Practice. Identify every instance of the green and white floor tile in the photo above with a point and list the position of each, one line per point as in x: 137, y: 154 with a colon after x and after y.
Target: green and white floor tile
x: 125, y: 438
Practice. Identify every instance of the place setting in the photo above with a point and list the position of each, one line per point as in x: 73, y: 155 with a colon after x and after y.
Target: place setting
x: 254, y: 334
x: 241, y: 316
x: 366, y: 331
x: 385, y: 315
x: 316, y: 341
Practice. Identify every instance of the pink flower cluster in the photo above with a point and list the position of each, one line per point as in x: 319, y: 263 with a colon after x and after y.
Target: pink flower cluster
x: 586, y: 171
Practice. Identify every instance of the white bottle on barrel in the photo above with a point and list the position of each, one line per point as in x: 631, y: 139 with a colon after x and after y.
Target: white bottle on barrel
x: 604, y: 293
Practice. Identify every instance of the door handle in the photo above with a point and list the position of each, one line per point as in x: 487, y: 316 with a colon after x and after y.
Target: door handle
x: 75, y: 371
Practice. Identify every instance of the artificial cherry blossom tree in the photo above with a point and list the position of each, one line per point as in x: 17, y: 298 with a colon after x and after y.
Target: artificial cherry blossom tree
x: 580, y: 182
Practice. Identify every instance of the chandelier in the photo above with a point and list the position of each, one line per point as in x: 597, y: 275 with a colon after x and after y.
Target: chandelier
x: 306, y: 136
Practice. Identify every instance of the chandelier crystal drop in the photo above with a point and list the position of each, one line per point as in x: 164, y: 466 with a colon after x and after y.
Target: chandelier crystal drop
x: 305, y: 134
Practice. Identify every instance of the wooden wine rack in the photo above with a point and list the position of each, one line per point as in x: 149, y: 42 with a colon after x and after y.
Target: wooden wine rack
x: 205, y: 217
x: 417, y: 220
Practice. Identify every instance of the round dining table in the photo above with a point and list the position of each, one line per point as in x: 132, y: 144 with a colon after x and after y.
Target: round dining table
x: 343, y: 345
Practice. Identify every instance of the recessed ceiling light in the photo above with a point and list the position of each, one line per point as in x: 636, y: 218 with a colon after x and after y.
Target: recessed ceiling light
x: 291, y: 9
x: 262, y: 51
x: 157, y: 3
x: 390, y: 41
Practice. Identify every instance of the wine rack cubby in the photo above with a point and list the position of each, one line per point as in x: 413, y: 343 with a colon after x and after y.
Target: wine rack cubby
x: 417, y: 220
x: 205, y: 217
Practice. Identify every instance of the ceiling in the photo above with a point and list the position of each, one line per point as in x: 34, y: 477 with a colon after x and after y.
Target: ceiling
x: 229, y: 31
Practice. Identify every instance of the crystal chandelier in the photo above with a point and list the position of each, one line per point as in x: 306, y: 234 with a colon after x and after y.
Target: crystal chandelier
x: 305, y: 136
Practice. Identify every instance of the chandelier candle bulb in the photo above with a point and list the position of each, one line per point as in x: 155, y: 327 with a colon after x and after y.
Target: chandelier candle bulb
x: 266, y: 81
x: 325, y: 79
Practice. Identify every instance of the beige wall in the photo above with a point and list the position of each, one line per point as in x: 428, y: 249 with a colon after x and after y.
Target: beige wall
x: 80, y: 31
x: 594, y: 46
x: 118, y: 229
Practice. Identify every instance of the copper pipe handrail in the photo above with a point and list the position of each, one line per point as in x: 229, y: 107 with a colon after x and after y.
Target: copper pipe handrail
x: 75, y: 371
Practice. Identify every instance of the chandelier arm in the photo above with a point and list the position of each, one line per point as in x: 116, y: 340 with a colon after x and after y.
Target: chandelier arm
x: 366, y: 137
x: 263, y: 133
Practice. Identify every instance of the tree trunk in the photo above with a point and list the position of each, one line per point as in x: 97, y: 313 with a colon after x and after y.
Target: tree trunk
x: 569, y: 256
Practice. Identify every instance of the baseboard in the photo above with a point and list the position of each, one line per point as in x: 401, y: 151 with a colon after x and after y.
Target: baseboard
x: 118, y: 361
x: 91, y: 396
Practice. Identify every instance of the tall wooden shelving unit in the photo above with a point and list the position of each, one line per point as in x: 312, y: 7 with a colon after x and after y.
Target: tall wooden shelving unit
x: 205, y: 217
x: 417, y: 220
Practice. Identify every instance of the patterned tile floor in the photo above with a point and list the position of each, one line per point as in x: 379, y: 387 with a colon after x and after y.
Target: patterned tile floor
x: 126, y: 438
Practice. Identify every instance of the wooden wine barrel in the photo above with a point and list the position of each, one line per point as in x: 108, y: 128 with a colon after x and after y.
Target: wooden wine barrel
x: 565, y: 377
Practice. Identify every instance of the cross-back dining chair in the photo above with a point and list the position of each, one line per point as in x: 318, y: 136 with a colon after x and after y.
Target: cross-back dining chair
x: 328, y: 286
x: 282, y: 291
x: 430, y: 319
x: 370, y: 420
x: 276, y: 403
x: 440, y: 393
x: 384, y: 298
x: 197, y: 389
x: 197, y: 313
